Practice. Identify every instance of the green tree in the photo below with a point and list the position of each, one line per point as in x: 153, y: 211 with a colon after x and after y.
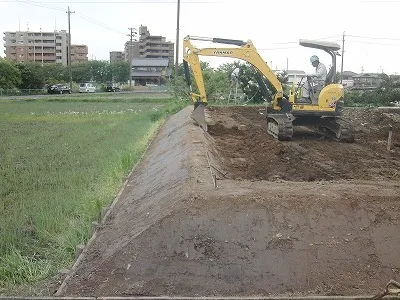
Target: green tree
x: 228, y: 68
x: 255, y: 87
x: 31, y: 75
x: 120, y: 71
x: 81, y: 72
x: 100, y: 70
x: 10, y: 75
x: 55, y: 73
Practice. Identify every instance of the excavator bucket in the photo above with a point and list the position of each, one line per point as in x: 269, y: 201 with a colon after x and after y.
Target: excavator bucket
x: 199, y: 116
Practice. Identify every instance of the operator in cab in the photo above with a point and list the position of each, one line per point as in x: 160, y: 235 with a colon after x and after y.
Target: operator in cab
x: 315, y: 81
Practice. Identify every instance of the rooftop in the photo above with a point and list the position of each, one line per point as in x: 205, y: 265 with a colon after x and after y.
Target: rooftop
x: 150, y: 62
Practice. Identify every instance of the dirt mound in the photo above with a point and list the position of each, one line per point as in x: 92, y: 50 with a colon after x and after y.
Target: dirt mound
x: 172, y: 233
x: 244, y: 150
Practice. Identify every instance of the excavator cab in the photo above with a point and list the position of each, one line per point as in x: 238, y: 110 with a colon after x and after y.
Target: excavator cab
x: 332, y: 50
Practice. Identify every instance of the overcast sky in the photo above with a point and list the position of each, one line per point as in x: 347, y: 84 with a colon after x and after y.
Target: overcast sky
x: 371, y: 27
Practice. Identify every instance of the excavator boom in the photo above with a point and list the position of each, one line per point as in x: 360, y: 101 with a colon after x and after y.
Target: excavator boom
x: 244, y: 51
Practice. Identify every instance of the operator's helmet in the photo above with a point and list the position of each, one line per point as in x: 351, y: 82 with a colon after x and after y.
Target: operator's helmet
x: 314, y: 58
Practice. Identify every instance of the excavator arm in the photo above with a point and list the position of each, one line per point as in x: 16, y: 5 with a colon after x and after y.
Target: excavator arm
x: 244, y: 51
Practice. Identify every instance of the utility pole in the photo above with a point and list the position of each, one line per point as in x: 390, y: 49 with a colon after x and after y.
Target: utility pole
x: 41, y: 37
x: 131, y: 35
x: 69, y: 47
x: 341, y: 69
x: 287, y: 63
x: 177, y: 39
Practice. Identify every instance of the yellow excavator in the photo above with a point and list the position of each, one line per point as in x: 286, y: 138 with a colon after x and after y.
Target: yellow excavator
x: 322, y: 113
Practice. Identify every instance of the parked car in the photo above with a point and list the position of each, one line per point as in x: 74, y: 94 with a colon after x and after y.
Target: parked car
x: 112, y: 87
x: 58, y: 89
x: 87, y: 88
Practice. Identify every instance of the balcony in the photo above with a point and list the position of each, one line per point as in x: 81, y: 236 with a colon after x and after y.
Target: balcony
x: 155, y: 46
x: 79, y: 52
x: 44, y: 44
x: 38, y: 51
x: 156, y: 55
x: 49, y: 58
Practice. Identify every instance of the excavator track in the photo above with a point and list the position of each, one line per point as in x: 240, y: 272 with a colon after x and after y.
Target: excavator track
x: 280, y: 126
x: 335, y: 129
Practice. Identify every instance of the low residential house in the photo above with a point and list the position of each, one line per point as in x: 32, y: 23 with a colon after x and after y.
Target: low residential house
x: 295, y: 76
x: 150, y: 71
x: 367, y: 81
x: 348, y: 79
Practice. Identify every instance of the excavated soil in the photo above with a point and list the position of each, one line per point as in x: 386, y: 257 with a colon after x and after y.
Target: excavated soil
x: 250, y: 153
x: 305, y: 217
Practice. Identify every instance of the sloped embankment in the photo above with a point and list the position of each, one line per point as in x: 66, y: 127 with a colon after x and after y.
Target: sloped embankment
x: 173, y: 233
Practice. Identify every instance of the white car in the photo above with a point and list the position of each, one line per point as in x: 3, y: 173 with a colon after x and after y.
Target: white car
x: 87, y: 88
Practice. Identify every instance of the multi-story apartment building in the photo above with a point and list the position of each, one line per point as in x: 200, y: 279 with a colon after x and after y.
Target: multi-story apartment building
x: 117, y: 56
x: 43, y: 47
x: 150, y: 46
x: 79, y: 53
x: 151, y: 57
x: 131, y: 50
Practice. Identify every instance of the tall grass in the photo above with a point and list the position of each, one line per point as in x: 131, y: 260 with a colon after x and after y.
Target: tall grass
x: 60, y: 163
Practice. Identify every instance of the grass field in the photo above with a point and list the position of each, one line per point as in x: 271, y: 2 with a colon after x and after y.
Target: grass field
x: 61, y: 160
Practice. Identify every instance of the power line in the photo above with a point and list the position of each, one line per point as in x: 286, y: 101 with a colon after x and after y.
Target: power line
x: 120, y: 2
x: 381, y: 1
x: 82, y: 16
x: 279, y: 48
x: 38, y: 4
x: 101, y: 24
x: 297, y: 43
x: 317, y: 39
x: 373, y: 38
x: 372, y: 43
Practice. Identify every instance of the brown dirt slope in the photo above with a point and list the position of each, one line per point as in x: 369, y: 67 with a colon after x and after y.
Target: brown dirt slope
x: 306, y: 217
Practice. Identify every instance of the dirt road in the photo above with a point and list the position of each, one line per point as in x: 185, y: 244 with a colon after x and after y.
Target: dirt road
x: 306, y: 217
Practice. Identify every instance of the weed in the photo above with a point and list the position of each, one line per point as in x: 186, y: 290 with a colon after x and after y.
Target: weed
x: 61, y: 163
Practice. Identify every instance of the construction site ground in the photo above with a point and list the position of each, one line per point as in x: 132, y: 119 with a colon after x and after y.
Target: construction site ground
x: 305, y: 217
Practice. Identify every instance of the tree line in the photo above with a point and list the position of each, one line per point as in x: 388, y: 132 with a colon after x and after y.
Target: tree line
x: 30, y: 75
x: 221, y: 84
